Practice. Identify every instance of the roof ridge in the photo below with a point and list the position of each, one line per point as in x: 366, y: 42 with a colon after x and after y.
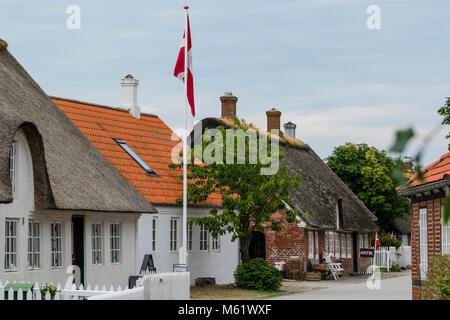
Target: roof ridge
x: 431, y: 166
x: 101, y: 105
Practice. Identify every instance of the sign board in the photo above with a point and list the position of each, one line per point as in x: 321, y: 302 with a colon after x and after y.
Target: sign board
x: 180, y: 268
x: 366, y: 252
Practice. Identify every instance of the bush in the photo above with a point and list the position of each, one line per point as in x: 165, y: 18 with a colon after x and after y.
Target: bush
x: 395, y: 268
x: 48, y: 288
x: 388, y: 240
x: 437, y: 283
x: 257, y: 275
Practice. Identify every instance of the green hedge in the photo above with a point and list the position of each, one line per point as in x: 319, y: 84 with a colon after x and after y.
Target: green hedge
x: 257, y: 275
x: 437, y: 283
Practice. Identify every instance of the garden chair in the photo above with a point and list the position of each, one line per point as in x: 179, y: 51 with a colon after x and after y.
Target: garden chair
x: 335, y: 267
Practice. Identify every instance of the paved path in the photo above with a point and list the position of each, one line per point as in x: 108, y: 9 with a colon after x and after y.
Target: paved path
x: 398, y: 288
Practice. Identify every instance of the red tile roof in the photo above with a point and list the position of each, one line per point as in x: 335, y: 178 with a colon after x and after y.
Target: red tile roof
x: 438, y: 170
x: 148, y: 136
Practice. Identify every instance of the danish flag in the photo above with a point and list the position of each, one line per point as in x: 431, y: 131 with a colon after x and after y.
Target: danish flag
x: 180, y: 69
x: 377, y: 242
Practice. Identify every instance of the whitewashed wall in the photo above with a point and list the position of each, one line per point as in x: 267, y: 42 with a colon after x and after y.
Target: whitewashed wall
x: 22, y: 208
x: 219, y: 265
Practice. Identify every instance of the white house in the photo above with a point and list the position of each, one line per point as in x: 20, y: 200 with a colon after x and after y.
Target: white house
x: 140, y: 147
x: 61, y: 202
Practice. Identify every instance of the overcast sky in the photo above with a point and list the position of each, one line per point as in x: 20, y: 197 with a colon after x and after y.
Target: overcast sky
x: 314, y: 60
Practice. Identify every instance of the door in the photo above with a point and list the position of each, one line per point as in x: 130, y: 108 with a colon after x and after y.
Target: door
x: 423, y: 236
x: 355, y: 251
x: 78, y: 245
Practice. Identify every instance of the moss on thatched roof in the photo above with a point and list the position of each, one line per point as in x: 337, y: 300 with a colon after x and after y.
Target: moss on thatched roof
x: 70, y: 173
x: 403, y: 226
x: 320, y: 190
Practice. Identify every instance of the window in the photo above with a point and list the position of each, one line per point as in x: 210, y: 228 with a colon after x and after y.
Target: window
x: 215, y: 243
x: 173, y: 234
x: 339, y: 217
x: 326, y: 242
x: 344, y: 245
x: 189, y: 237
x: 337, y: 244
x: 349, y: 245
x: 115, y: 242
x: 11, y: 244
x: 445, y: 234
x: 331, y: 242
x: 405, y: 239
x: 361, y: 240
x: 97, y: 245
x: 316, y: 245
x: 56, y: 244
x: 203, y: 238
x: 366, y: 240
x: 310, y: 245
x: 12, y: 166
x: 34, y: 249
x: 154, y: 234
x: 423, y: 242
x: 135, y: 157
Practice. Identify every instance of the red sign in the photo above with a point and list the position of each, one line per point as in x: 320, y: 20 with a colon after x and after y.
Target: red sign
x: 366, y: 252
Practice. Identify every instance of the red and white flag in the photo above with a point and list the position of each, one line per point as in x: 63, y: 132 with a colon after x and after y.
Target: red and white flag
x: 179, y: 71
x: 377, y: 242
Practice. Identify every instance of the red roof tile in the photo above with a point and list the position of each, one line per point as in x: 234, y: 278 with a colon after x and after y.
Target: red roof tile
x: 434, y: 172
x: 148, y: 136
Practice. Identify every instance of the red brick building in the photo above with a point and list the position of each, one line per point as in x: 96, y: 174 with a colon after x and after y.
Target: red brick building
x: 331, y: 219
x: 429, y: 236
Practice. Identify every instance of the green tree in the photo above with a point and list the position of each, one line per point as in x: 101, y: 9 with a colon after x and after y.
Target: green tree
x: 248, y: 198
x: 368, y: 173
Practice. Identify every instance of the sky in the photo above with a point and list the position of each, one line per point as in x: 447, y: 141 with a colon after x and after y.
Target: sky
x: 314, y: 60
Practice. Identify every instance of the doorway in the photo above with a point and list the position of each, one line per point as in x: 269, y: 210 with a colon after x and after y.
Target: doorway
x: 258, y: 245
x: 355, y: 251
x: 78, y: 245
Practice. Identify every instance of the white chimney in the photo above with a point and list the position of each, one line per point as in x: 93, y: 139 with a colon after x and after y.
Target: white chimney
x: 289, y: 129
x: 129, y: 95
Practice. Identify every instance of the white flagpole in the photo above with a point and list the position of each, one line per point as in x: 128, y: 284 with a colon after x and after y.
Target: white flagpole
x: 183, y: 251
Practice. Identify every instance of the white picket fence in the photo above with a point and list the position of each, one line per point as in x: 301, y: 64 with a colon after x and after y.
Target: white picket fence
x: 67, y: 293
x: 386, y: 256
x: 382, y: 258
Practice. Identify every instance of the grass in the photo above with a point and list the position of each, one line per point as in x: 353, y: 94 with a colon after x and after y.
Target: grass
x: 229, y: 292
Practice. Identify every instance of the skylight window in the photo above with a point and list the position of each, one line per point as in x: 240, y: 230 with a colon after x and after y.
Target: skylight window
x: 135, y: 157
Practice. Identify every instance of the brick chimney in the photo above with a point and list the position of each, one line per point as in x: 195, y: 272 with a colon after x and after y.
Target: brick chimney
x: 273, y: 119
x: 228, y: 105
x: 129, y: 95
x: 289, y: 129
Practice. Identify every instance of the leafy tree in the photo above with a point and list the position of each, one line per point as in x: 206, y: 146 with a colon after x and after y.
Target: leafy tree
x: 368, y: 173
x: 248, y: 198
x: 444, y: 111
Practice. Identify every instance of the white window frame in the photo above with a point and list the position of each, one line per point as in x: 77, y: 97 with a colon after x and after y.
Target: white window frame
x: 366, y: 240
x: 423, y: 243
x: 34, y: 244
x: 115, y: 233
x: 190, y: 237
x: 445, y: 234
x: 343, y: 245
x: 310, y: 245
x: 97, y: 243
x: 215, y: 243
x: 331, y: 242
x: 316, y: 245
x: 349, y: 246
x: 204, y: 237
x: 12, y: 165
x: 337, y: 245
x: 154, y: 234
x: 361, y: 240
x: 56, y: 243
x: 11, y: 244
x: 325, y: 236
x: 404, y: 240
x: 173, y: 235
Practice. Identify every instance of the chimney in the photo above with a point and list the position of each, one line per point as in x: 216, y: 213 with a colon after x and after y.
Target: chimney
x: 408, y: 169
x: 129, y: 95
x: 228, y: 105
x: 289, y: 129
x: 273, y: 119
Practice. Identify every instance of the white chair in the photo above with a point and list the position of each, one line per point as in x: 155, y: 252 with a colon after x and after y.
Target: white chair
x: 335, y: 267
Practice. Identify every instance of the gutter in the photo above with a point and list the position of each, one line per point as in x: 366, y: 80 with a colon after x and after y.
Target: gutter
x: 425, y: 189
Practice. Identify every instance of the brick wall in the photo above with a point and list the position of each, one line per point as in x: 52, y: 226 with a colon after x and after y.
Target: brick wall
x: 434, y: 239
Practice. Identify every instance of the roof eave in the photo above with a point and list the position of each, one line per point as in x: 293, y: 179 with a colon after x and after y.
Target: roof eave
x: 424, y: 189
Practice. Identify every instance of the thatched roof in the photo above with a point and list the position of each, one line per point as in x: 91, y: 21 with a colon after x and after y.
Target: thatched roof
x: 403, y: 226
x: 70, y: 173
x: 317, y: 196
